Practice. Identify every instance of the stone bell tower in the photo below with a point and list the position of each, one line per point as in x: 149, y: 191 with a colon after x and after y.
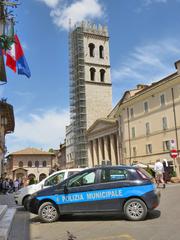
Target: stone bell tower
x: 90, y: 85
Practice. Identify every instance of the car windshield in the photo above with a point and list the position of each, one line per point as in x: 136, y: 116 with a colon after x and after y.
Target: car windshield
x: 145, y: 173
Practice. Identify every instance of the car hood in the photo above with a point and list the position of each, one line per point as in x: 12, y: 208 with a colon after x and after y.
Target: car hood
x: 31, y: 188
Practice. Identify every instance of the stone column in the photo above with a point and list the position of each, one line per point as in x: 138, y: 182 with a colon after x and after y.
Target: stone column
x: 106, y: 148
x: 90, y: 155
x: 95, y: 152
x: 113, y: 149
x: 100, y: 150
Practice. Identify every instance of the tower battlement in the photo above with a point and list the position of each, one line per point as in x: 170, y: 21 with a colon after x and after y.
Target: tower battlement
x: 93, y: 28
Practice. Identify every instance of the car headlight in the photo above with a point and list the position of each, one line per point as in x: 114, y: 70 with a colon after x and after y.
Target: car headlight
x: 34, y: 195
x: 18, y: 192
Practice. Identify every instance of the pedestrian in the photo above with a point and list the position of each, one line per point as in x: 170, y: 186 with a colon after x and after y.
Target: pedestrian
x: 16, y: 185
x: 1, y: 185
x: 159, y: 170
x: 166, y: 170
x: 5, y: 185
x: 11, y: 186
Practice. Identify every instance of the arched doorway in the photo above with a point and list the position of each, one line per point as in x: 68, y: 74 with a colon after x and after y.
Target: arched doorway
x: 20, y: 174
x: 42, y: 176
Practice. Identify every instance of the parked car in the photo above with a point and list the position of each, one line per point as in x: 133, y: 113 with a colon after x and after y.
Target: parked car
x: 122, y: 189
x: 21, y: 196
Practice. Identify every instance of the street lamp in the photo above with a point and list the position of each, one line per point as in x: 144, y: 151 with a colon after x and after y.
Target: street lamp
x: 6, y: 33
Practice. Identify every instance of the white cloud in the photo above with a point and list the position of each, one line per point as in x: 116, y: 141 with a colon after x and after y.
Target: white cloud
x: 45, y: 130
x: 50, y: 3
x: 77, y: 11
x: 148, y: 63
x: 148, y: 2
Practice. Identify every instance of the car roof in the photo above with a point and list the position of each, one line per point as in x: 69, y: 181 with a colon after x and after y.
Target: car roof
x: 113, y: 167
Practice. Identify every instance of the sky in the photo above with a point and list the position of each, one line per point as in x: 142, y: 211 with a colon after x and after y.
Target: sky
x: 144, y: 44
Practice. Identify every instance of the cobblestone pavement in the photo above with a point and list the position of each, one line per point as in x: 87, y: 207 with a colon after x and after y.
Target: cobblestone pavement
x: 7, y: 199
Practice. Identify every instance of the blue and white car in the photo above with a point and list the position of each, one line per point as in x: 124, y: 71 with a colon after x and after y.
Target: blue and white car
x: 122, y: 189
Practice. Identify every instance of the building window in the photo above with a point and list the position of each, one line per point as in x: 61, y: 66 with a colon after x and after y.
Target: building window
x: 92, y: 74
x: 29, y: 163
x: 148, y: 148
x: 147, y: 128
x: 134, y: 151
x: 164, y: 123
x: 44, y: 163
x: 102, y: 75
x: 91, y: 50
x: 162, y: 100
x: 37, y: 164
x: 146, y: 108
x: 131, y: 112
x: 21, y: 164
x: 101, y: 52
x: 133, y: 132
x: 166, y: 145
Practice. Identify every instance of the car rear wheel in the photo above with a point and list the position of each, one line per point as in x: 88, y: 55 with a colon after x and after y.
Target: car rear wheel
x: 135, y: 209
x: 48, y: 212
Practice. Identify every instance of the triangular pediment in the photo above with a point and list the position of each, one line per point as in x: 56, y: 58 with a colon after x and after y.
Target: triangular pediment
x: 101, y: 124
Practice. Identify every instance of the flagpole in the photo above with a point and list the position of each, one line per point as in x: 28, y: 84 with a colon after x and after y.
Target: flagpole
x: 2, y: 66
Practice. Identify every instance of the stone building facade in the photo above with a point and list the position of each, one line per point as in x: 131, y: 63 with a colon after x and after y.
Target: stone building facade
x: 7, y: 125
x: 148, y: 121
x: 29, y: 163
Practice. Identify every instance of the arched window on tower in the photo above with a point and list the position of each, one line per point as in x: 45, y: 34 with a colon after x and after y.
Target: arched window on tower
x: 102, y: 75
x: 21, y: 164
x: 44, y: 164
x: 29, y: 163
x: 91, y: 50
x: 37, y: 164
x: 92, y: 74
x: 101, y: 51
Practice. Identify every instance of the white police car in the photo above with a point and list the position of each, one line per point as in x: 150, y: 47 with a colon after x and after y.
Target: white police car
x: 124, y: 189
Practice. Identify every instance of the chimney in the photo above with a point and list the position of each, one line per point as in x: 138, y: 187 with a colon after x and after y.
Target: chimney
x: 177, y: 66
x: 141, y: 86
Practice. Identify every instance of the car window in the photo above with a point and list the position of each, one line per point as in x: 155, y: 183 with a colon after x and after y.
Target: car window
x: 72, y: 173
x: 85, y: 178
x: 111, y: 175
x: 55, y: 179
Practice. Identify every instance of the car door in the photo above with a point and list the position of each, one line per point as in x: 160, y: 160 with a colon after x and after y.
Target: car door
x: 74, y: 198
x: 112, y: 182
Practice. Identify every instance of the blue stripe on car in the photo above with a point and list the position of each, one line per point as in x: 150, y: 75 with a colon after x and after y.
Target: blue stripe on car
x: 97, y: 195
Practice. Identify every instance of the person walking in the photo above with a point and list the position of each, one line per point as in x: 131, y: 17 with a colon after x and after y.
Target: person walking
x: 16, y: 185
x: 166, y: 176
x: 159, y: 170
x: 5, y: 185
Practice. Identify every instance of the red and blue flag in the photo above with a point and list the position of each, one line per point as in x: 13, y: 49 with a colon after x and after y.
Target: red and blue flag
x: 16, y: 59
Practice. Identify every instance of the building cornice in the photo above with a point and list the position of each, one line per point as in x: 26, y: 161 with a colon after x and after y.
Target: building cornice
x: 98, y: 83
x: 97, y: 64
x: 96, y: 36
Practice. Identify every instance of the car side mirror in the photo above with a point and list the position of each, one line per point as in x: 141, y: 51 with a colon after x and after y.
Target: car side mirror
x: 66, y: 189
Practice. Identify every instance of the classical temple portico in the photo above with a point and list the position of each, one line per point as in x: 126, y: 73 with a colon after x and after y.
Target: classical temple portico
x: 103, y: 142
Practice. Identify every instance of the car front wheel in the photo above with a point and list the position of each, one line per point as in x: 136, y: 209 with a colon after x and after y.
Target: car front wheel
x: 48, y: 212
x: 135, y: 209
x: 26, y: 203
